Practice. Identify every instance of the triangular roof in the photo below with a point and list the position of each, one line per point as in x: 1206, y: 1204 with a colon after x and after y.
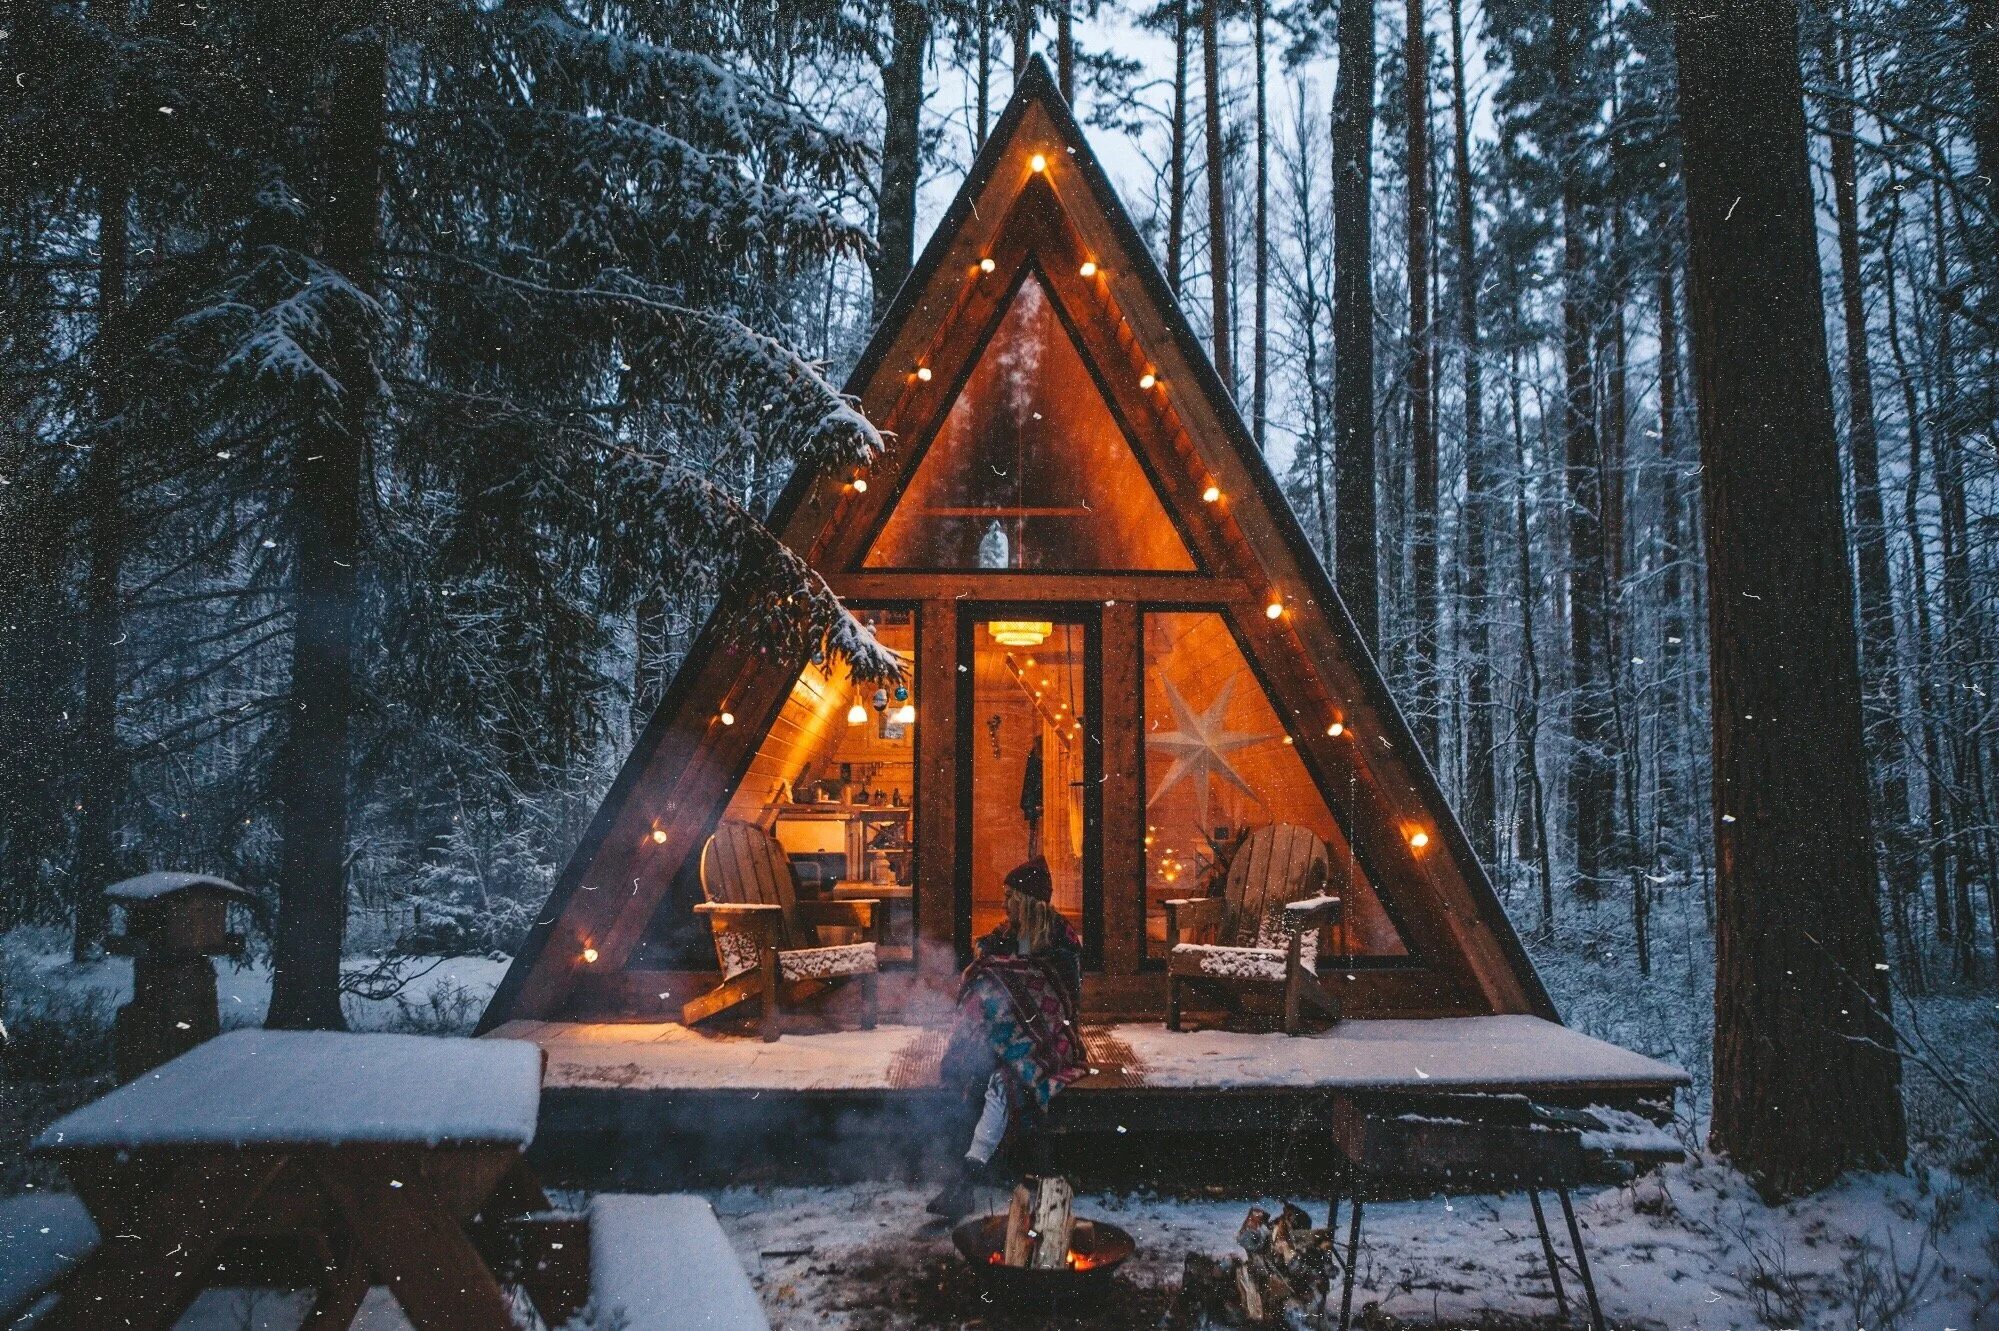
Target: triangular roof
x: 684, y: 766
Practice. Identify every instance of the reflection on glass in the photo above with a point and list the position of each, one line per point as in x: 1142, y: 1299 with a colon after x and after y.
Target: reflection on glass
x: 1027, y: 764
x: 1029, y: 470
x: 1217, y: 764
x: 835, y: 781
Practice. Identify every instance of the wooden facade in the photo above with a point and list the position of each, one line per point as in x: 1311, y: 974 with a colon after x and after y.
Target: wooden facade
x: 1036, y: 300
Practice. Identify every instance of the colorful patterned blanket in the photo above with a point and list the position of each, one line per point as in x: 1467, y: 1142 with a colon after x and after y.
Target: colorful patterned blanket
x: 1020, y: 1013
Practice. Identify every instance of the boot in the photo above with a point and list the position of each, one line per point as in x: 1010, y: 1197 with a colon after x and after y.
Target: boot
x: 956, y: 1201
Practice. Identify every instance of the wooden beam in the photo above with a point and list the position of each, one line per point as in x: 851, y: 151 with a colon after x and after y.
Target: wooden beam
x: 1122, y: 790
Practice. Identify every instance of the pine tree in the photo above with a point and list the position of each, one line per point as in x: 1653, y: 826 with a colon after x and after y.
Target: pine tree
x: 1806, y: 1073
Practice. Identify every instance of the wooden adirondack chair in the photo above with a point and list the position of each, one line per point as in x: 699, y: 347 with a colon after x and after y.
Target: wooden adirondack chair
x: 767, y: 940
x: 1264, y: 931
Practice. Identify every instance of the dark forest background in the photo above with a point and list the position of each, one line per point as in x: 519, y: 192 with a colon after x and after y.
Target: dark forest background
x: 389, y: 389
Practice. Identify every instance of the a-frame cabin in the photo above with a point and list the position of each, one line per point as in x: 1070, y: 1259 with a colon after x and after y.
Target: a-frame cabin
x: 1122, y: 652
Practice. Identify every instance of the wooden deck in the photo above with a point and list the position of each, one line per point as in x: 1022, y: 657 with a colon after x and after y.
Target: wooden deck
x: 647, y: 1103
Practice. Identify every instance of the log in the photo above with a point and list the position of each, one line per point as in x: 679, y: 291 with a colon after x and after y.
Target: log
x: 1038, y: 1221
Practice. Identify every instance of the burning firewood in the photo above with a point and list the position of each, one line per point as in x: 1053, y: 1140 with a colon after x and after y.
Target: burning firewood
x: 1038, y: 1223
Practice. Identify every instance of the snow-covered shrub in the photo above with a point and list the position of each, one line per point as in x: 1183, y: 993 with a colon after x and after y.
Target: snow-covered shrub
x: 55, y: 1032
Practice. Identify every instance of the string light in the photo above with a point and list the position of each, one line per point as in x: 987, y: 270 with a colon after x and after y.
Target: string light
x: 1419, y: 839
x: 1211, y: 494
x: 1037, y: 163
x: 860, y: 485
x: 589, y: 956
x: 1275, y: 610
x: 659, y: 836
x: 923, y: 373
x: 1089, y: 268
x: 986, y: 265
x: 1147, y: 380
x: 1336, y: 730
x: 727, y: 718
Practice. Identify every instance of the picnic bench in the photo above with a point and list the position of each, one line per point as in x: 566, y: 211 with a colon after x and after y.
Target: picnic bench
x: 374, y: 1160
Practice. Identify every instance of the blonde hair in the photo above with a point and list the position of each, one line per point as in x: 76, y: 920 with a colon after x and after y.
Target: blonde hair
x: 1033, y: 920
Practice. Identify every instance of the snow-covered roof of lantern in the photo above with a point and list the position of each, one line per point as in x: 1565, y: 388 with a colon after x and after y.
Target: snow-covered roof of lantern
x: 163, y: 883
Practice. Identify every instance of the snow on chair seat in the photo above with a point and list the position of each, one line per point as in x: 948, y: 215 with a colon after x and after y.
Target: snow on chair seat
x: 1213, y: 961
x: 827, y: 963
x: 664, y: 1263
x: 42, y: 1235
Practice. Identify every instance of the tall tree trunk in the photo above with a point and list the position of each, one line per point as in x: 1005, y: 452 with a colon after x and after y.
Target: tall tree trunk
x: 1880, y: 671
x: 1481, y: 793
x: 1963, y: 648
x: 1593, y: 775
x: 902, y: 148
x: 1422, y: 424
x: 312, y: 776
x: 1259, y: 393
x: 1981, y: 25
x: 1807, y: 1080
x: 1065, y: 50
x: 1176, y: 203
x: 1354, y: 569
x: 1936, y: 803
x: 1023, y: 36
x: 102, y: 784
x: 983, y: 71
x: 1530, y: 661
x: 1223, y: 333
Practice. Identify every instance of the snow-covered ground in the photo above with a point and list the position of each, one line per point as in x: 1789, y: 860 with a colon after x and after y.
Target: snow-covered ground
x: 446, y: 996
x: 1690, y: 1248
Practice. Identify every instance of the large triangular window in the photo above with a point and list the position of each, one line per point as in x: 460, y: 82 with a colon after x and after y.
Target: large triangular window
x: 1030, y: 470
x: 1219, y: 763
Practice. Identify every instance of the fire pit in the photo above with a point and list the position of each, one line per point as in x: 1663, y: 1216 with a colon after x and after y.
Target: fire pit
x: 1096, y: 1250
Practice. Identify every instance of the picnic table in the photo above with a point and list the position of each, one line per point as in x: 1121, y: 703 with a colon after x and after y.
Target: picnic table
x: 370, y: 1152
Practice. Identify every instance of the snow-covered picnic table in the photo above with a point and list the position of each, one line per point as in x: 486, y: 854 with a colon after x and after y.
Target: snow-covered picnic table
x: 371, y: 1151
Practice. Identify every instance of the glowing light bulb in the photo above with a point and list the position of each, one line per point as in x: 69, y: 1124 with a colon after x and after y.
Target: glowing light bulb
x: 1336, y: 730
x: 923, y: 373
x: 1419, y: 839
x: 1275, y: 610
x: 860, y: 485
x: 987, y: 265
x: 1211, y: 494
x: 1148, y: 379
x: 1089, y: 268
x: 589, y: 956
x: 659, y: 836
x: 905, y: 715
x: 728, y: 718
x: 857, y: 715
x: 1037, y: 163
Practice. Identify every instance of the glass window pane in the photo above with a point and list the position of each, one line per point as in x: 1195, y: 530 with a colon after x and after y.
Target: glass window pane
x: 1029, y: 470
x: 1217, y: 763
x: 835, y: 781
x: 1027, y: 761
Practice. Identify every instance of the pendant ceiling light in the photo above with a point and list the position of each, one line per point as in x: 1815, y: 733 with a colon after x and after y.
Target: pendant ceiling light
x: 1020, y: 632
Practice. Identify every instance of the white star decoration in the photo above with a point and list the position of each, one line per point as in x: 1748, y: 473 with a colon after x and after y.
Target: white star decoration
x: 1201, y: 743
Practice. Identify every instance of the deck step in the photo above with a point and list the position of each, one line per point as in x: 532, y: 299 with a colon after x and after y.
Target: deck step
x: 665, y: 1262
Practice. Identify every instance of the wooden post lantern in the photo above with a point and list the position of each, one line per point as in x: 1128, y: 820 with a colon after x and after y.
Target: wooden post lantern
x: 173, y: 923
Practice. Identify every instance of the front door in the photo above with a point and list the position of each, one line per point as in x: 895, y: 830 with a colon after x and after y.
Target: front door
x: 1030, y: 756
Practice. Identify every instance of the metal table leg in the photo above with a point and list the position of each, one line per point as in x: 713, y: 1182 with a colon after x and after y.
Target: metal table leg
x: 1548, y: 1252
x: 1353, y: 1260
x: 1582, y: 1261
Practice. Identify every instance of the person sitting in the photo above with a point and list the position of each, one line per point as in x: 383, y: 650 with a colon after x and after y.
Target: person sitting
x: 1016, y: 1033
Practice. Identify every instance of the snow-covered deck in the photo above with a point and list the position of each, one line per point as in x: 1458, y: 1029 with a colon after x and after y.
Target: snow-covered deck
x: 1482, y: 1053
